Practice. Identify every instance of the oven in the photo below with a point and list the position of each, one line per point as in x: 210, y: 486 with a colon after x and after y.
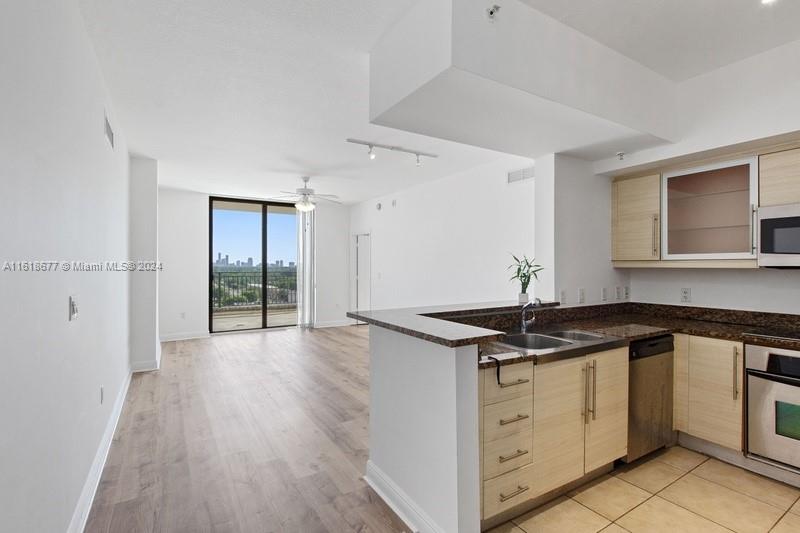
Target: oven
x: 779, y: 236
x: 773, y: 405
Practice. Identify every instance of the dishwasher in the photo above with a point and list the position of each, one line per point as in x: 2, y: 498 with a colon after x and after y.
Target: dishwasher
x: 650, y: 396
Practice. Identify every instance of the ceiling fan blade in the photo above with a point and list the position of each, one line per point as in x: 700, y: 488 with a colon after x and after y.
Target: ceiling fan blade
x: 334, y: 196
x: 289, y: 192
x: 326, y: 200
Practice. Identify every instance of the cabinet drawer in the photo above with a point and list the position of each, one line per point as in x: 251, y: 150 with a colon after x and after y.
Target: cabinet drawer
x: 506, y: 491
x: 503, y: 419
x: 515, y: 381
x: 506, y: 454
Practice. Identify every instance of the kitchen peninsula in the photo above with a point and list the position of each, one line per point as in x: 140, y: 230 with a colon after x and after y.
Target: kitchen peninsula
x: 435, y: 389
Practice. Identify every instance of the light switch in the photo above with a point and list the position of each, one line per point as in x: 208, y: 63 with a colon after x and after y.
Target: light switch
x: 73, y: 309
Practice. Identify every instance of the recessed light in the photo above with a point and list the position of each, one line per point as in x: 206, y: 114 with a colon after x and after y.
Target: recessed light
x: 765, y: 2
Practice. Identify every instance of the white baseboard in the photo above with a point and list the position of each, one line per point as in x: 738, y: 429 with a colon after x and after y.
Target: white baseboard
x: 84, y: 505
x: 335, y: 323
x: 404, y: 507
x: 185, y: 336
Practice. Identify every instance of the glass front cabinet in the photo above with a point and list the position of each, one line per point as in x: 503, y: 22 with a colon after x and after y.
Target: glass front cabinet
x: 709, y: 212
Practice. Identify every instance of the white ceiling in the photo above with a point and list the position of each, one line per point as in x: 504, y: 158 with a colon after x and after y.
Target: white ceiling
x: 680, y: 39
x: 242, y: 97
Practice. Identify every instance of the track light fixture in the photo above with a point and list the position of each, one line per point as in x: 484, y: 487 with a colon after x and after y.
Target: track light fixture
x: 372, y: 146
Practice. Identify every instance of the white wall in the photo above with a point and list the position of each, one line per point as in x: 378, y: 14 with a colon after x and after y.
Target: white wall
x: 573, y: 231
x: 64, y: 197
x: 448, y: 241
x: 145, y: 345
x: 332, y: 228
x: 183, y: 252
x: 775, y: 291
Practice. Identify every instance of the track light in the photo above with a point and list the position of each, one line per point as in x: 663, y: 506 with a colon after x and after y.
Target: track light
x: 372, y: 146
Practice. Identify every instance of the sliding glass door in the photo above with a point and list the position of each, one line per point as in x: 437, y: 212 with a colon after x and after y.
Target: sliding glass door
x: 252, y: 270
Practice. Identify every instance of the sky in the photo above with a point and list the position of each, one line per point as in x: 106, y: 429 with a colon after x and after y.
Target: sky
x: 238, y: 234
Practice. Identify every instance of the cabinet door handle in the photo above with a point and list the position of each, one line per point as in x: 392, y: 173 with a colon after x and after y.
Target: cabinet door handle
x: 518, y: 453
x: 585, y: 393
x: 753, y: 222
x: 655, y: 235
x: 520, y: 490
x: 512, y: 420
x: 513, y: 384
x: 735, y: 372
x: 594, y: 389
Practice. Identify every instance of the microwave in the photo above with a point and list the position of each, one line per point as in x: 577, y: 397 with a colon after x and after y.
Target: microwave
x: 779, y: 236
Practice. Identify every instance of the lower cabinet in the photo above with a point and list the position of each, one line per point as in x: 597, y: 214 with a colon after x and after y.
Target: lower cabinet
x: 573, y: 421
x: 580, y: 417
x: 715, y: 391
x: 606, y: 437
x: 680, y: 384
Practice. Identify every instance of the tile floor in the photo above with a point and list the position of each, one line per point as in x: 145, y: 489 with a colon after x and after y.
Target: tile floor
x: 673, y: 491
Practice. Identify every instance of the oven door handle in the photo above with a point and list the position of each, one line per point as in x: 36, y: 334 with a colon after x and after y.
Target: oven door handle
x: 786, y: 380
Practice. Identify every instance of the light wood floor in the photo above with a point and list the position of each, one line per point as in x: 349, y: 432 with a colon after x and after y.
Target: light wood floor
x: 263, y: 431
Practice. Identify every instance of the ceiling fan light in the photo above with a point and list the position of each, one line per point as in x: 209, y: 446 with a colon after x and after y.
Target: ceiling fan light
x: 305, y: 205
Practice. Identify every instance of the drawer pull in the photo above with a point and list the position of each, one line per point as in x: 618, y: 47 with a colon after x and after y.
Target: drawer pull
x: 512, y: 420
x: 514, y: 384
x: 518, y: 453
x: 520, y: 490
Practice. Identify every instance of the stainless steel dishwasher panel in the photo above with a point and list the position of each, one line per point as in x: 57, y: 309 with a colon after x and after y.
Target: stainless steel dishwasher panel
x: 650, y: 404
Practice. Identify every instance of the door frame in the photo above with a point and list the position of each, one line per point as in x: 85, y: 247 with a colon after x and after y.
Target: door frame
x: 354, y: 272
x: 264, y: 205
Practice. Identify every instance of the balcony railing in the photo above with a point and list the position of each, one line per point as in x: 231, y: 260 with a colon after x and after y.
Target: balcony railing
x: 238, y: 290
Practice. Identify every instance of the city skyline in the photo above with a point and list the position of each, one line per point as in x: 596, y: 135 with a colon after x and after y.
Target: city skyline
x: 225, y: 260
x: 237, y: 235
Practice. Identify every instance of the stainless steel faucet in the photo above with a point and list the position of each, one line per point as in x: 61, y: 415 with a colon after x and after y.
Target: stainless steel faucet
x: 525, y: 324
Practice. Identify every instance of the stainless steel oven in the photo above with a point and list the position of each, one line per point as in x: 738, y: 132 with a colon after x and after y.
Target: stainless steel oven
x: 773, y: 405
x: 779, y: 236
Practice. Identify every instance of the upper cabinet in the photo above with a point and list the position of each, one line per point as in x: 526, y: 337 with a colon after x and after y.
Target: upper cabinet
x: 780, y: 178
x: 636, y: 205
x: 709, y: 211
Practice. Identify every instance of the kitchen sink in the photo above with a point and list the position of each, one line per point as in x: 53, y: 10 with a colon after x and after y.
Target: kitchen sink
x: 534, y: 341
x: 576, y: 335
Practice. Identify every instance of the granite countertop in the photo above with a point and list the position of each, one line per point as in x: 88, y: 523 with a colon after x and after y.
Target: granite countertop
x: 425, y: 322
x: 485, y: 324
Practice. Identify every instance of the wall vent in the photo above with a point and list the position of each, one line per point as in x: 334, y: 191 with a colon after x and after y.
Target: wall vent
x: 109, y: 132
x: 520, y: 175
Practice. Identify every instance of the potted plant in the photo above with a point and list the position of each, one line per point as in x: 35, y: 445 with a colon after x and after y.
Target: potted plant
x: 524, y: 270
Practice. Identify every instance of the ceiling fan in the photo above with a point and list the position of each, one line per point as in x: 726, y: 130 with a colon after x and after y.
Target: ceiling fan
x: 305, y: 197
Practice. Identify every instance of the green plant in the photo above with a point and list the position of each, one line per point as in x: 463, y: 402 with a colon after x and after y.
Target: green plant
x: 524, y: 271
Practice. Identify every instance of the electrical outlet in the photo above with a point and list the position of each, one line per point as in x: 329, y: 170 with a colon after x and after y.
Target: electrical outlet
x: 618, y: 293
x: 686, y: 295
x: 102, y: 395
x: 626, y: 291
x: 604, y: 294
x: 581, y: 296
x: 563, y: 297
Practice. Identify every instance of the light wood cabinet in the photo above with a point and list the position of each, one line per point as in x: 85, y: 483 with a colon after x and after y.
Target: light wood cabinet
x: 580, y: 417
x: 559, y: 395
x: 515, y: 381
x: 715, y: 391
x: 680, y: 382
x: 636, y: 207
x: 779, y: 178
x: 606, y: 436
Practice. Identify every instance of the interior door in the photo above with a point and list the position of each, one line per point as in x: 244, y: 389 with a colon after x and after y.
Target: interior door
x: 363, y: 272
